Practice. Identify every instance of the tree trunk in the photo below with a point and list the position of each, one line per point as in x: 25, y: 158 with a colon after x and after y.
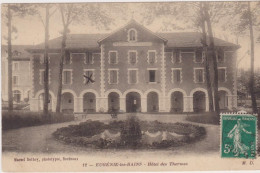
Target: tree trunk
x: 252, y: 81
x: 63, y: 47
x: 205, y: 50
x: 214, y: 59
x: 46, y: 63
x: 10, y: 65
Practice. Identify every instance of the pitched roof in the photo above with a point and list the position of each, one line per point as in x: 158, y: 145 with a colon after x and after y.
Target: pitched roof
x: 190, y: 39
x: 74, y: 41
x: 138, y: 25
x: 19, y: 51
x: 90, y: 41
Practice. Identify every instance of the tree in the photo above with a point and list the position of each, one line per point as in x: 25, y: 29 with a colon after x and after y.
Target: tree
x: 14, y: 10
x: 244, y: 19
x: 195, y: 14
x: 214, y: 57
x: 205, y: 49
x: 46, y: 55
x: 95, y: 13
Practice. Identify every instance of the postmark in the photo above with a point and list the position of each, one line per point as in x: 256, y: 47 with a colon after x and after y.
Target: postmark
x: 238, y: 136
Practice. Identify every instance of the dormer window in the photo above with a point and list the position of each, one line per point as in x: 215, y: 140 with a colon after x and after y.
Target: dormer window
x: 132, y: 35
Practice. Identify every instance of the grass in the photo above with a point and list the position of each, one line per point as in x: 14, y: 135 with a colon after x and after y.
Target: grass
x: 205, y: 118
x: 132, y: 134
x: 19, y: 119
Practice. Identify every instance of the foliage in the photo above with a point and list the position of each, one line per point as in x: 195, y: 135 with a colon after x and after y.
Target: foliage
x: 131, y: 132
x: 19, y: 119
x: 243, y: 82
x: 204, y: 119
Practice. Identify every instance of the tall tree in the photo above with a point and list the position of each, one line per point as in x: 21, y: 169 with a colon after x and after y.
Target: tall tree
x: 14, y: 10
x: 95, y: 13
x: 214, y: 57
x: 252, y: 45
x: 48, y: 14
x: 10, y: 75
x: 205, y: 50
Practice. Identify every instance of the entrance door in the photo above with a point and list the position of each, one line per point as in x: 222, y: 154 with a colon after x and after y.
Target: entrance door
x: 133, y: 102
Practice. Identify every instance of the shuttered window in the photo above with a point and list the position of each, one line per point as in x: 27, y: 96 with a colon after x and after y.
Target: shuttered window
x: 220, y: 56
x: 113, y: 77
x: 199, y: 76
x: 15, y: 80
x: 176, y: 75
x: 221, y: 75
x: 151, y: 57
x: 198, y: 56
x: 132, y: 57
x: 176, y: 57
x: 67, y: 77
x: 113, y: 57
x: 152, y: 75
x: 132, y: 76
x: 89, y: 58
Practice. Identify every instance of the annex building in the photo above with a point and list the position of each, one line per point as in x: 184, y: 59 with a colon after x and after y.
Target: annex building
x: 134, y: 69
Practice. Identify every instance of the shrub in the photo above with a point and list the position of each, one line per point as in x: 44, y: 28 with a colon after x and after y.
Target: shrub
x: 204, y: 119
x: 131, y: 133
x: 18, y: 119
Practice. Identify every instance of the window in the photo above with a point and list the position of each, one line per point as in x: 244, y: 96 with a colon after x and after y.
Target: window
x: 151, y: 57
x: 168, y: 56
x: 199, y: 75
x: 67, y: 77
x: 90, y: 74
x: 89, y: 58
x: 176, y: 58
x: 132, y: 35
x: 112, y: 57
x: 15, y: 66
x: 132, y: 57
x: 132, y: 76
x: 17, y: 96
x: 15, y: 80
x: 222, y: 74
x: 152, y: 75
x: 176, y: 76
x: 42, y: 76
x: 42, y: 60
x: 113, y: 76
x: 199, y: 56
x: 67, y: 59
x: 220, y: 56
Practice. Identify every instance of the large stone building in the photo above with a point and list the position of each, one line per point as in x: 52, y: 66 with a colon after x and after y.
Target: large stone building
x: 21, y: 78
x: 134, y: 69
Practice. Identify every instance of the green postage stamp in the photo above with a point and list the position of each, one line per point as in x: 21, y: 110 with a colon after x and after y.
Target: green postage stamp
x: 238, y: 136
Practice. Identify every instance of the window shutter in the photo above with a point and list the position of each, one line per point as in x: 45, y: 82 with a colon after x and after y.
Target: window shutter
x: 69, y: 77
x: 198, y: 56
x: 197, y: 75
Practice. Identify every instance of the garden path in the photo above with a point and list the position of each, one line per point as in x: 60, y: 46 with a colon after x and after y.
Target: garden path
x: 39, y: 138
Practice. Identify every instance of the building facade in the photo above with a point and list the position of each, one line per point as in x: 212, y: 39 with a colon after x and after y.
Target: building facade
x: 134, y: 70
x: 21, y: 78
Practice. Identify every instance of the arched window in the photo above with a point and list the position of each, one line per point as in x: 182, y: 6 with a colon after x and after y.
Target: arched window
x: 132, y: 35
x: 17, y: 96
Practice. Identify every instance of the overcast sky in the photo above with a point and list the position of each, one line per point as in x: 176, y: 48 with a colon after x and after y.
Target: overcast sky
x: 31, y: 31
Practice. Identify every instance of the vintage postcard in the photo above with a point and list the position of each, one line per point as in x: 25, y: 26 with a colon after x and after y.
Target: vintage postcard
x: 127, y: 86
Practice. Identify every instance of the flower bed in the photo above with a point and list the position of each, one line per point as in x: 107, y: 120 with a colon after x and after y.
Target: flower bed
x: 131, y: 133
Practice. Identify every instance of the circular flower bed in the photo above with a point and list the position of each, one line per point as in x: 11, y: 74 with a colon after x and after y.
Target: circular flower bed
x: 131, y: 133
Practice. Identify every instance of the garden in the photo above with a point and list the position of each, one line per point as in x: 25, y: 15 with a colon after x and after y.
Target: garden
x: 131, y: 133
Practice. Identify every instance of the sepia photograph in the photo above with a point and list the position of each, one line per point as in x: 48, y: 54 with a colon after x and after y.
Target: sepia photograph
x: 130, y: 86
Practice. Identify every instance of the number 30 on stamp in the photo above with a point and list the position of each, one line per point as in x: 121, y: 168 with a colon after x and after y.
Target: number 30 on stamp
x: 238, y: 136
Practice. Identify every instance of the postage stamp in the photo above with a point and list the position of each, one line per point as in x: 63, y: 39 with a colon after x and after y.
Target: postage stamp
x: 239, y: 136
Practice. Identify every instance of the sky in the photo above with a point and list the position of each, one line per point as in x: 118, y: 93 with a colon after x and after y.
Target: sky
x: 31, y: 31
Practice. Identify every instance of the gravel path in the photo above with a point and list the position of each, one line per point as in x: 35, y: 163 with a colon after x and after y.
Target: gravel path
x: 39, y: 138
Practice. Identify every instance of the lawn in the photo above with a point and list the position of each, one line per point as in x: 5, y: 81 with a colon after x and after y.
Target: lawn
x: 204, y: 118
